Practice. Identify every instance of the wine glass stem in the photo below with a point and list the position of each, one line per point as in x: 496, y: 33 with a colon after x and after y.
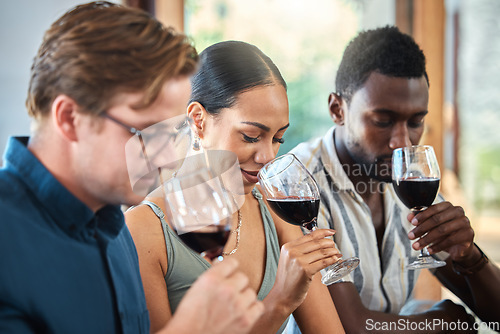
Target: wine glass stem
x: 312, y: 225
x: 423, y: 252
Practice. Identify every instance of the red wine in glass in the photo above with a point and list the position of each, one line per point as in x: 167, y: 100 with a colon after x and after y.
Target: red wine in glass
x: 300, y: 211
x: 415, y: 177
x: 417, y: 193
x: 208, y: 240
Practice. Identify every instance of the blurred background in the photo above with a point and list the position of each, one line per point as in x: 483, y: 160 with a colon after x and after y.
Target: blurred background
x: 306, y: 39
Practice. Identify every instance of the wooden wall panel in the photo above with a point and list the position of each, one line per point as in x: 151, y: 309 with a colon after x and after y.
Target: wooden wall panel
x: 171, y: 13
x: 428, y: 31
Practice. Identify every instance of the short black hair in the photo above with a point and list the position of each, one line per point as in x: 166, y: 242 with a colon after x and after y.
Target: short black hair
x: 229, y: 68
x: 385, y: 50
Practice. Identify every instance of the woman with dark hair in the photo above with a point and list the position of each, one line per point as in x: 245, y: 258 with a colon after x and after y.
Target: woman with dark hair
x: 239, y: 104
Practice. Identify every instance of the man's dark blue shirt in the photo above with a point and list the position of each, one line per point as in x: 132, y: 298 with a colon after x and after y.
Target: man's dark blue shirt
x: 63, y: 268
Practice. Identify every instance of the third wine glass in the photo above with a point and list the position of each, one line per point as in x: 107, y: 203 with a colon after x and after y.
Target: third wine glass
x: 415, y: 176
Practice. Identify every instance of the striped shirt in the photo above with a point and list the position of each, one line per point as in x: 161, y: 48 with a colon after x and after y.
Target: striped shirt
x: 382, y: 281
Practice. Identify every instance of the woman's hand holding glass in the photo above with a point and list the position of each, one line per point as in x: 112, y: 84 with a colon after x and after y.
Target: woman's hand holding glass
x: 300, y: 260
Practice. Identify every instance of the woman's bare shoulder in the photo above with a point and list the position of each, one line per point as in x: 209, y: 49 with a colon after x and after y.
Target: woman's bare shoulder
x: 142, y: 214
x: 144, y: 225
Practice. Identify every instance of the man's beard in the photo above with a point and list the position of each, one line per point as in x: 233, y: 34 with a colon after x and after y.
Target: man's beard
x: 379, y: 169
x: 384, y: 169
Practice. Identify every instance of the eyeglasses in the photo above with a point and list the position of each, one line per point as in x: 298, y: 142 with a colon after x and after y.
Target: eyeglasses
x: 178, y: 127
x: 130, y: 129
x: 160, y: 133
x: 133, y: 131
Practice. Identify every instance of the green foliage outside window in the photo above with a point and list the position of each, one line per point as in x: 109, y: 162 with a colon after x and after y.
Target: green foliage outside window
x: 304, y: 39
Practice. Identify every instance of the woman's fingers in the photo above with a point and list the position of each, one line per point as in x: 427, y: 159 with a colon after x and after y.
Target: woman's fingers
x: 312, y: 252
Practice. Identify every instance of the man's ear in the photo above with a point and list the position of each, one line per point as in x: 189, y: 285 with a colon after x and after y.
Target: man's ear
x: 64, y: 112
x: 336, y: 107
x: 199, y: 115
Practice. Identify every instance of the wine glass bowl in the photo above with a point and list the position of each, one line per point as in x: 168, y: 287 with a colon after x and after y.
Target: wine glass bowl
x: 300, y: 211
x: 292, y: 193
x: 200, y: 211
x: 416, y: 177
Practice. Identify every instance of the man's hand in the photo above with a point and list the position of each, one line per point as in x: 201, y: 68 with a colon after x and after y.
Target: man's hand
x: 219, y: 302
x: 445, y: 228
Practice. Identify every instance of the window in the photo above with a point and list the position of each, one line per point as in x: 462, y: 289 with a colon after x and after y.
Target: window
x: 305, y: 40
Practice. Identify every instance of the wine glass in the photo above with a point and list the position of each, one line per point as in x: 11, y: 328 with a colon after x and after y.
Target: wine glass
x: 293, y: 194
x: 200, y: 210
x: 415, y: 176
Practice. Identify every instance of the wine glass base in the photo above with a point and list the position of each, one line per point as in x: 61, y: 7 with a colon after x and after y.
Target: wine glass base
x: 425, y: 262
x: 338, y: 270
